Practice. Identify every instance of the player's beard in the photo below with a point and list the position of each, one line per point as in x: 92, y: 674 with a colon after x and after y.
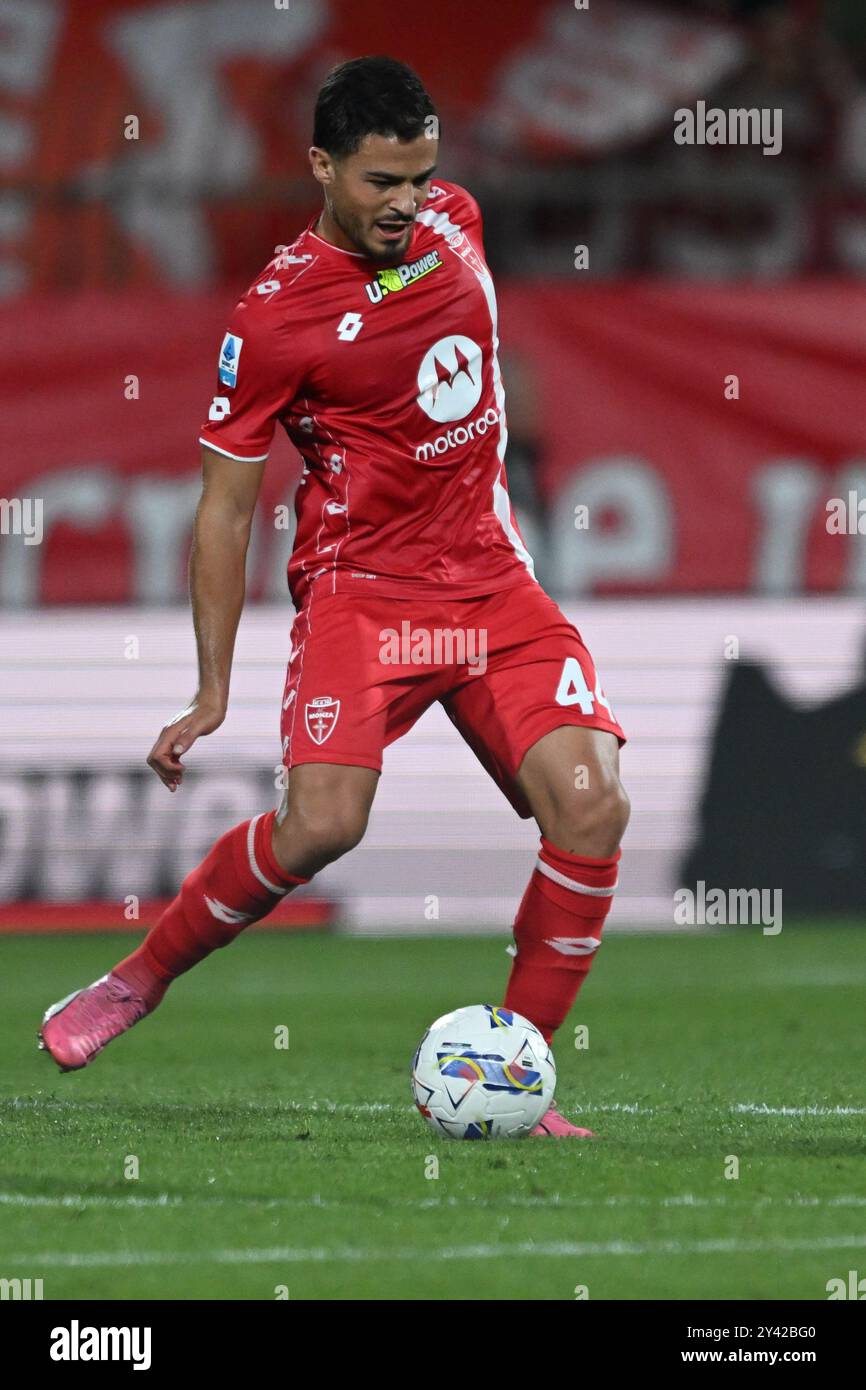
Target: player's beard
x: 353, y: 228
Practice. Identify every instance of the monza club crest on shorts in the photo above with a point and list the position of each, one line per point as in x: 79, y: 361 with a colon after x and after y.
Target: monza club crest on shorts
x: 320, y: 717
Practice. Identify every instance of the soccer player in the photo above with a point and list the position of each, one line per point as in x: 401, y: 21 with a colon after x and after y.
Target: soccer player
x: 372, y: 340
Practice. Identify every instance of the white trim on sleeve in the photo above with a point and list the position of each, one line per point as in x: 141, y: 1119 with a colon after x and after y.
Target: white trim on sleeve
x: 260, y: 458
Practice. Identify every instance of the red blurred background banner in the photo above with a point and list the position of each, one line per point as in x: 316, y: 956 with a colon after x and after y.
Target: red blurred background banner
x: 703, y: 429
x: 153, y: 142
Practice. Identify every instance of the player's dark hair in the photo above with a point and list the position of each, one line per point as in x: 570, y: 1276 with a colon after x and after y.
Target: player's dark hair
x: 370, y: 96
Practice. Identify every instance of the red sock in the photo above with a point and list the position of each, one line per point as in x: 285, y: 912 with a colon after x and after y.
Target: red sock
x: 239, y: 882
x: 557, y: 931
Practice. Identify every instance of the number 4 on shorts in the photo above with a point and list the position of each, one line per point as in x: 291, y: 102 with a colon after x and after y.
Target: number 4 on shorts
x: 573, y: 689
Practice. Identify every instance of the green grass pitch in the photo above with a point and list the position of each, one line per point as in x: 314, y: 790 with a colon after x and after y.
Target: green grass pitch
x: 308, y: 1168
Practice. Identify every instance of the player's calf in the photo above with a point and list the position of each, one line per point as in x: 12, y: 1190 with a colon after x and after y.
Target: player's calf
x: 557, y: 933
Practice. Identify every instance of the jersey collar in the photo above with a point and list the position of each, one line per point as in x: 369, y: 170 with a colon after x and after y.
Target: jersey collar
x: 355, y: 255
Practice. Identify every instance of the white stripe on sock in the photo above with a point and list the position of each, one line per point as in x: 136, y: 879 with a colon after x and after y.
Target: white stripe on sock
x: 566, y: 882
x: 251, y: 839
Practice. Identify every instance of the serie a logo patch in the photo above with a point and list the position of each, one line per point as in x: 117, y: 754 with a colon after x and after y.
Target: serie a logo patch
x: 230, y: 354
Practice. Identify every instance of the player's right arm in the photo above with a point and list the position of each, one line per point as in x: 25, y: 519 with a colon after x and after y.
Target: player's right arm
x: 217, y: 574
x: 255, y: 384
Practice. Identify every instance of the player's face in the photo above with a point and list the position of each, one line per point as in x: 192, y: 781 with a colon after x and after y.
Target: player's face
x: 372, y: 196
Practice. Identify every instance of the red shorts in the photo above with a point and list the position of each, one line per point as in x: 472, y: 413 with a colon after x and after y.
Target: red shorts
x: 507, y: 668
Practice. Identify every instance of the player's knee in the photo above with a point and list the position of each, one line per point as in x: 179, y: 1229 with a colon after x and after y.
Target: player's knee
x: 608, y: 811
x: 593, y: 820
x: 319, y: 831
x: 618, y: 810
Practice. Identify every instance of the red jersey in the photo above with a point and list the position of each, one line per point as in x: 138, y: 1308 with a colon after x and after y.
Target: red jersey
x: 387, y: 383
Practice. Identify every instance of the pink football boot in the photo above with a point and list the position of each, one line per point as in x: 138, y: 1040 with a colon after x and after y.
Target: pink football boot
x: 556, y: 1126
x: 79, y: 1026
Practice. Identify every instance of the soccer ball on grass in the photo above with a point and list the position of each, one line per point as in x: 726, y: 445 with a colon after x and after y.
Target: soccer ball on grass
x: 483, y: 1072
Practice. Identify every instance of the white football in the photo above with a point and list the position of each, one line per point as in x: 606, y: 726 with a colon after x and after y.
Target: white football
x: 483, y: 1072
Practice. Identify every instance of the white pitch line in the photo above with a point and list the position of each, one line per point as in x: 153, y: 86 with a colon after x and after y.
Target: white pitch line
x: 83, y: 1201
x: 279, y: 1107
x: 335, y: 1107
x: 799, y: 1109
x: 327, y: 1107
x: 361, y: 1254
x: 80, y: 1201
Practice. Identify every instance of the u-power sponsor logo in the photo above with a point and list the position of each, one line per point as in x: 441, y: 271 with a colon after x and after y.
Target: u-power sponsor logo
x: 395, y: 278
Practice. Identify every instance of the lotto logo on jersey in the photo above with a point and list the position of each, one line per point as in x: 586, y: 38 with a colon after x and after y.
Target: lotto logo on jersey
x: 320, y: 717
x: 230, y: 353
x: 398, y: 277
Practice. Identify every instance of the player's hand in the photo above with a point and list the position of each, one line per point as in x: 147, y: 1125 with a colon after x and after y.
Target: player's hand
x: 200, y: 717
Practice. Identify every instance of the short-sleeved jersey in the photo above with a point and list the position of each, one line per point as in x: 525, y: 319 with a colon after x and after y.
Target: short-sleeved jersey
x: 387, y: 383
